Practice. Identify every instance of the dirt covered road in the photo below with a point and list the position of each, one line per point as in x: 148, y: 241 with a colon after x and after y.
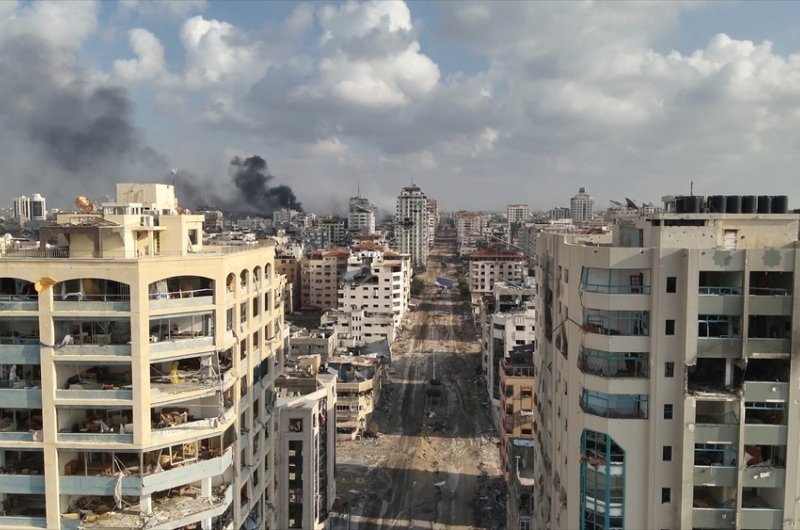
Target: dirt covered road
x: 435, y: 464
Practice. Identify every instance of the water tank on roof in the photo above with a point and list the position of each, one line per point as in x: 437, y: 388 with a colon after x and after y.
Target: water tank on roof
x: 696, y: 203
x: 749, y: 204
x: 764, y: 204
x: 680, y: 204
x: 733, y: 204
x: 780, y: 204
x: 717, y: 204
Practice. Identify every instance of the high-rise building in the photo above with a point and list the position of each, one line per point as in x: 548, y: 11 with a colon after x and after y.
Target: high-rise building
x: 33, y: 208
x: 516, y: 214
x: 666, y: 384
x: 137, y: 373
x: 361, y: 218
x: 581, y: 206
x: 488, y: 266
x: 411, y: 225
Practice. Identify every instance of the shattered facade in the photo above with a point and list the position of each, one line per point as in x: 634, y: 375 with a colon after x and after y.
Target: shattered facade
x: 136, y: 384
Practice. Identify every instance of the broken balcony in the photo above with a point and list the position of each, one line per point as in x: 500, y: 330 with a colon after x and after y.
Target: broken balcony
x: 170, y: 508
x: 765, y: 423
x: 713, y: 507
x: 715, y: 464
x: 97, y: 473
x: 23, y: 510
x: 185, y: 331
x: 20, y: 385
x: 94, y: 425
x: 91, y: 294
x: 20, y: 424
x: 189, y: 378
x: 93, y: 336
x: 762, y: 508
x: 18, y: 295
x: 78, y: 382
x: 193, y: 419
x: 766, y: 466
x: 769, y: 335
x: 719, y: 336
x: 716, y: 420
x: 181, y: 291
x: 713, y: 375
x: 22, y: 471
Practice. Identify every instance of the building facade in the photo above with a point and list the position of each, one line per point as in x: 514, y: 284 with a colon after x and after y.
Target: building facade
x: 320, y: 272
x: 488, y: 266
x: 581, y: 206
x: 138, y: 369
x: 666, y: 362
x: 27, y: 209
x: 412, y: 225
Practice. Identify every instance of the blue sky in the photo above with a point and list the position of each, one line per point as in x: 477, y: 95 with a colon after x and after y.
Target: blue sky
x: 481, y: 103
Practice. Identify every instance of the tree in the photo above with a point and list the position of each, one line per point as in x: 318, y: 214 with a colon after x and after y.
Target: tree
x: 416, y: 286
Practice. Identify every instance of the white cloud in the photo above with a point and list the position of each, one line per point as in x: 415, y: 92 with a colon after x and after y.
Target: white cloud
x: 158, y: 8
x: 149, y: 62
x: 58, y: 24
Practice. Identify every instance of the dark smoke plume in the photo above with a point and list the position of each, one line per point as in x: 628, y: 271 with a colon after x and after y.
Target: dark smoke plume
x: 252, y: 178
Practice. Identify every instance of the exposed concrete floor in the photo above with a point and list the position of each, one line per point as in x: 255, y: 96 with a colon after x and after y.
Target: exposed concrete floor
x: 389, y: 482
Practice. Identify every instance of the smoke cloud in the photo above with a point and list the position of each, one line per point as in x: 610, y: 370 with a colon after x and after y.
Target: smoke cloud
x: 251, y: 193
x: 61, y: 134
x: 252, y: 178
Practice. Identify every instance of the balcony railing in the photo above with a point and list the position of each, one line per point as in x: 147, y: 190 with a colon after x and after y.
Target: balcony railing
x: 720, y: 290
x: 614, y: 364
x: 624, y: 406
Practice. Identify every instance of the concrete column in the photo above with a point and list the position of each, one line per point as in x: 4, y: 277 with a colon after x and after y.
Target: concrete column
x: 205, y: 491
x: 146, y: 505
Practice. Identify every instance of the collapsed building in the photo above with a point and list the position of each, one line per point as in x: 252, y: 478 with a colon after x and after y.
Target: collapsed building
x: 357, y: 390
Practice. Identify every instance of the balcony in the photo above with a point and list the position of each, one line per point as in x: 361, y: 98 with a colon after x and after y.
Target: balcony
x: 764, y: 346
x: 19, y: 302
x: 614, y: 364
x: 21, y: 395
x: 117, y: 396
x: 766, y: 391
x: 22, y: 481
x: 758, y: 513
x: 185, y: 426
x: 92, y: 479
x: 175, y: 510
x: 617, y: 323
x: 181, y: 291
x: 19, y: 351
x: 764, y: 477
x: 756, y: 434
x: 717, y: 300
x: 618, y: 406
x: 86, y: 351
x: 182, y: 342
x: 93, y: 304
x: 713, y: 517
x: 724, y: 476
x: 716, y: 422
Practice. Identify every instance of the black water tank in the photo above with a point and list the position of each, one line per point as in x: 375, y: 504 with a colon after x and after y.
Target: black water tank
x: 696, y: 203
x: 764, y: 204
x: 680, y: 204
x: 749, y: 204
x: 733, y: 204
x: 717, y: 204
x: 780, y: 204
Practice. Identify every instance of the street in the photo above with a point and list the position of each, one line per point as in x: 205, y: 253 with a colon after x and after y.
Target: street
x: 435, y: 463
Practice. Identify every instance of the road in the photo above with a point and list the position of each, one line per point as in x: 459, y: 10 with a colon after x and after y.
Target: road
x: 435, y: 464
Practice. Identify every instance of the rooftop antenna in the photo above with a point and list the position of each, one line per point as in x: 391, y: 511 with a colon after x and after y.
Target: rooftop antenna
x: 358, y: 186
x: 174, y: 172
x: 691, y: 188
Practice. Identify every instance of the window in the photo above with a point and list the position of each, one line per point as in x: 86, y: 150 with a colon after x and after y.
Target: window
x: 670, y: 327
x: 669, y: 369
x: 296, y: 425
x: 672, y: 284
x: 666, y: 495
x: 668, y: 411
x: 666, y: 453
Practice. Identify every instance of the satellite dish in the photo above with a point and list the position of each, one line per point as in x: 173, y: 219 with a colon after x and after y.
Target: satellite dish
x: 84, y: 204
x: 43, y: 283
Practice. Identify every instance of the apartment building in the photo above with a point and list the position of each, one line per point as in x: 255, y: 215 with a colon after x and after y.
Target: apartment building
x: 508, y: 325
x: 412, y: 225
x: 361, y: 217
x: 288, y: 266
x: 581, y: 206
x: 305, y: 461
x: 470, y: 228
x: 433, y: 219
x: 488, y: 266
x: 666, y: 385
x: 359, y: 326
x: 320, y: 272
x: 27, y: 209
x: 516, y: 400
x: 521, y: 483
x: 322, y: 342
x: 137, y: 373
x: 358, y: 388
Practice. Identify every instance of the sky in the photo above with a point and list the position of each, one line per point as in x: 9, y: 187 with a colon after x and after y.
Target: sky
x: 482, y: 104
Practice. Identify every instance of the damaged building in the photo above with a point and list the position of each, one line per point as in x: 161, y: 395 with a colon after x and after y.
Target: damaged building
x: 357, y: 390
x: 136, y: 384
x: 666, y: 361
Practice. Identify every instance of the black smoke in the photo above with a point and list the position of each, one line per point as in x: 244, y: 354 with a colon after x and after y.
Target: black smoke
x: 252, y: 180
x: 61, y: 134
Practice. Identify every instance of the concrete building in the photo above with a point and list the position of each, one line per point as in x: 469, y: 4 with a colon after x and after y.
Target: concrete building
x: 329, y: 232
x: 320, y: 272
x: 412, y: 225
x: 521, y: 483
x: 289, y: 266
x: 516, y: 399
x: 666, y: 385
x: 137, y: 369
x: 361, y: 217
x: 516, y: 215
x: 581, y: 206
x: 357, y: 391
x: 559, y: 212
x: 305, y: 461
x: 358, y: 326
x: 27, y: 209
x: 433, y: 220
x: 489, y: 266
x: 323, y: 342
x: 507, y: 318
x: 470, y: 229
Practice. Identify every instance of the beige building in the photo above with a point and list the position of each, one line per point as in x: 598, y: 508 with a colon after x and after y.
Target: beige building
x: 489, y: 266
x: 289, y: 266
x: 357, y: 391
x: 413, y: 225
x: 320, y: 272
x: 666, y: 388
x: 136, y: 375
x: 516, y: 400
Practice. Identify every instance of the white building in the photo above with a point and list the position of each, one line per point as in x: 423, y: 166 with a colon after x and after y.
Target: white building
x: 361, y: 218
x: 33, y: 208
x: 581, y: 206
x: 666, y: 385
x: 411, y: 225
x: 489, y: 266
